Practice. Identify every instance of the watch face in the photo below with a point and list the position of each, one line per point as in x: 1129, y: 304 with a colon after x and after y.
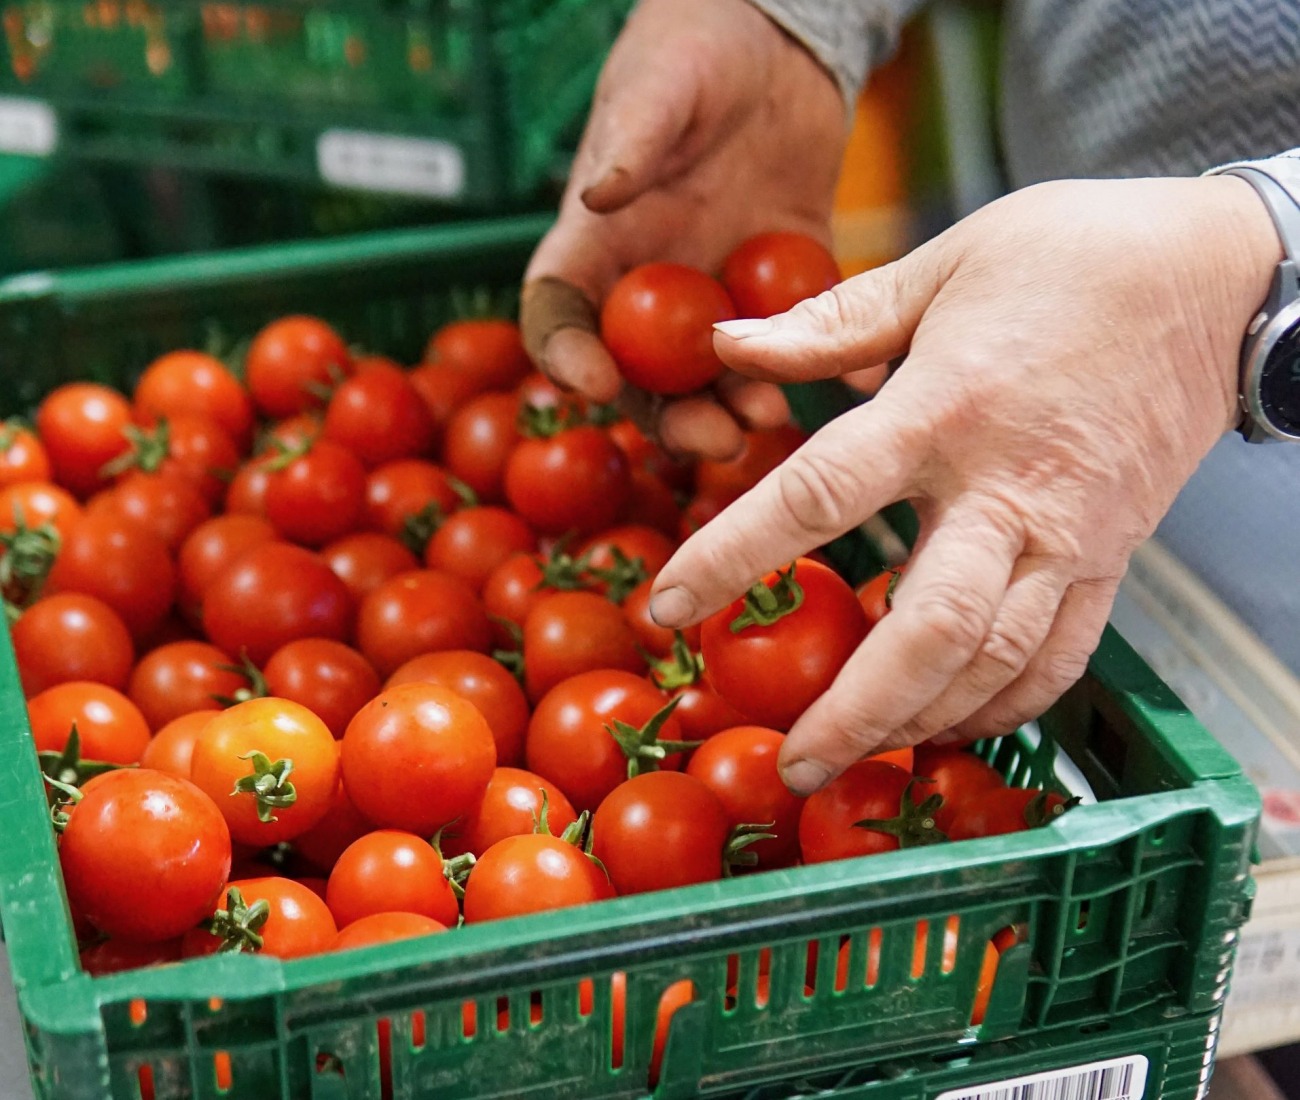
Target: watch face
x: 1279, y: 383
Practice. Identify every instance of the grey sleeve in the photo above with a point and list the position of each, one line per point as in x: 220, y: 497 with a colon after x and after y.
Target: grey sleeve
x: 849, y: 37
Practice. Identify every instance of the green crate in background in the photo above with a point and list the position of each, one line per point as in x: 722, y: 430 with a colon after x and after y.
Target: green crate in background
x: 1132, y: 905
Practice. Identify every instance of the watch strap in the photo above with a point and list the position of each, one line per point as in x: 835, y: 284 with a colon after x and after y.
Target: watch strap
x: 1277, y: 181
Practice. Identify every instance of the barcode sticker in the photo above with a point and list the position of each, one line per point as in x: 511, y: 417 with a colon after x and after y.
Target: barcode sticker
x: 27, y: 126
x: 1118, y: 1079
x: 387, y: 162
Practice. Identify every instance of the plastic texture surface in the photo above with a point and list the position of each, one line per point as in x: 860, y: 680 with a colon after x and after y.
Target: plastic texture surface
x: 1130, y: 907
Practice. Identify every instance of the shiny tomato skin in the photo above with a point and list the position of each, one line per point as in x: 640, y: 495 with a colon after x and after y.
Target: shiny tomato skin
x: 531, y: 874
x: 144, y: 855
x: 190, y: 383
x: 274, y: 594
x: 417, y: 757
x: 568, y: 743
x: 659, y: 830
x: 867, y: 789
x: 773, y: 272
x: 763, y: 452
x: 541, y: 393
x: 110, y: 726
x: 479, y: 439
x: 956, y: 775
x: 480, y: 680
x: 199, y: 450
x: 324, y: 842
x: 513, y: 589
x: 421, y: 612
x: 330, y: 679
x: 36, y: 503
x: 568, y: 633
x: 490, y: 350
x: 379, y: 416
x: 318, y: 497
x: 182, y: 677
x: 645, y: 454
x: 657, y: 322
x: 82, y: 427
x: 702, y: 712
x: 396, y: 491
x: 808, y: 646
x: 168, y: 504
x: 385, y: 928
x: 443, y: 390
x: 739, y: 767
x: 365, y: 560
x: 299, y: 923
x: 390, y: 871
x: 207, y: 550
x: 118, y: 956
x: 246, y: 494
x: 290, y: 358
x: 475, y: 541
x: 171, y: 749
x: 22, y: 455
x: 70, y: 636
x: 876, y: 595
x: 654, y: 639
x: 511, y: 805
x: 576, y: 480
x: 652, y: 548
x: 996, y: 811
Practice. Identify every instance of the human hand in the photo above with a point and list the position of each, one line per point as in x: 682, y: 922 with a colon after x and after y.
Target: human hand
x: 710, y: 125
x: 1072, y: 353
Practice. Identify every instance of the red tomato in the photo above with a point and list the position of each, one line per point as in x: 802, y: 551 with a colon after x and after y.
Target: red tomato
x: 651, y: 503
x: 475, y: 541
x: 645, y: 455
x: 324, y: 842
x: 144, y: 855
x: 541, y: 393
x: 247, y: 492
x: 280, y: 731
x: 532, y: 874
x: 390, y: 871
x: 169, y: 505
x: 420, y: 612
x: 701, y: 711
x: 658, y: 321
x: 521, y: 582
x: 172, y: 747
x: 298, y: 924
x: 192, y: 447
x: 571, y: 632
x: 407, y: 499
x: 763, y: 452
x: 568, y: 742
x: 365, y: 560
x: 868, y: 790
x: 293, y: 433
x: 290, y: 360
x: 490, y: 350
x: 180, y: 678
x: 808, y: 643
x: 69, y: 637
x: 877, y: 595
x: 111, y: 727
x: 511, y: 806
x: 82, y: 426
x: 739, y: 767
x: 34, y: 504
x: 443, y: 390
x: 773, y: 272
x: 634, y: 544
x: 417, y: 757
x: 676, y: 995
x: 379, y: 416
x: 189, y: 383
x: 117, y: 956
x: 576, y: 479
x: 327, y: 677
x: 22, y: 455
x: 481, y: 435
x: 699, y: 511
x: 997, y: 811
x: 479, y: 680
x: 211, y: 547
x: 956, y: 774
x: 385, y: 928
x: 274, y: 594
x: 654, y: 639
x: 318, y: 496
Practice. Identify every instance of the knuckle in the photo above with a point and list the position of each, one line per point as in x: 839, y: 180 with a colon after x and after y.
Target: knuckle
x: 955, y: 616
x: 1064, y: 668
x: 816, y: 490
x: 1008, y: 650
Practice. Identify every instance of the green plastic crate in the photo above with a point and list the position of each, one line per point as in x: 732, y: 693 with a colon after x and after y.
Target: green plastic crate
x: 1132, y: 905
x: 464, y: 101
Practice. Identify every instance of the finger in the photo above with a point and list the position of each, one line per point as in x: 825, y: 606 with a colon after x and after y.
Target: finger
x: 868, y: 380
x: 699, y: 426
x: 754, y: 404
x: 558, y: 325
x: 940, y: 618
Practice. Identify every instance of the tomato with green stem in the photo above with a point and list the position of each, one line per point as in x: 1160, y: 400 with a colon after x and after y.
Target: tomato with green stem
x: 511, y: 806
x: 490, y: 350
x: 363, y: 561
x: 32, y: 505
x: 409, y: 498
x: 421, y: 612
x: 568, y: 633
x: 701, y: 711
x: 764, y: 450
x: 168, y: 504
x: 293, y: 433
x: 191, y: 447
x: 171, y: 749
x: 479, y: 440
x: 773, y: 272
x: 318, y: 495
x: 562, y: 478
x: 877, y: 595
x: 182, y: 677
x: 522, y: 581
x: 22, y: 455
x: 265, y: 916
x: 868, y: 808
x: 82, y: 426
x: 999, y: 811
x: 474, y: 541
x: 292, y: 363
x: 111, y: 727
x: 385, y: 928
x: 330, y: 679
x: 956, y: 775
x: 379, y: 416
x: 190, y: 383
x: 622, y: 557
x: 70, y: 636
x: 394, y: 871
x: 211, y: 547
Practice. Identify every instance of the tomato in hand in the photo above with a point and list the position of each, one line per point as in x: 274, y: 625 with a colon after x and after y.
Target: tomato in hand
x: 533, y: 873
x: 877, y: 595
x: 771, y: 653
x: 290, y: 360
x: 172, y: 748
x: 33, y: 504
x: 763, y: 452
x: 378, y: 415
x: 209, y: 548
x: 420, y: 612
x: 117, y: 956
x: 443, y: 390
x: 166, y: 504
x: 512, y: 806
x: 417, y: 757
x: 22, y: 455
x: 574, y: 479
x: 244, y: 745
x: 480, y: 437
x: 657, y: 323
x: 956, y: 775
x: 489, y: 350
x: 317, y: 496
x: 83, y: 428
x: 408, y: 499
x: 110, y: 726
x: 385, y: 928
x: 330, y: 679
x: 365, y: 560
x: 144, y: 855
x: 190, y: 383
x: 572, y: 632
x: 324, y: 842
x: 774, y: 272
x: 182, y: 677
x: 294, y: 923
x: 271, y: 595
x: 391, y: 871
x: 998, y: 811
x: 870, y: 790
x: 473, y: 542
x: 69, y: 637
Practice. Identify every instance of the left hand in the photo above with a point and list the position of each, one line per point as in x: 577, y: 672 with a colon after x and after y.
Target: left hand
x: 1072, y: 354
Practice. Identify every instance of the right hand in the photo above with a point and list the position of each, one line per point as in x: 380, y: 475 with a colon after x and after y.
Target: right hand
x: 710, y: 124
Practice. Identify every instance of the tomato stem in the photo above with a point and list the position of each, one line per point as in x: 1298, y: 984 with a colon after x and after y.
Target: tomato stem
x: 147, y: 451
x: 419, y: 527
x: 736, y: 851
x: 286, y: 455
x: 1041, y: 812
x: 257, y: 686
x: 642, y: 747
x: 560, y: 570
x: 468, y: 498
x: 914, y: 826
x: 544, y: 421
x: 61, y: 795
x: 9, y: 431
x: 894, y: 576
x: 238, y: 925
x: 680, y: 668
x: 26, y: 556
x: 766, y: 604
x: 581, y: 833
x: 268, y: 783
x: 67, y: 767
x: 621, y: 577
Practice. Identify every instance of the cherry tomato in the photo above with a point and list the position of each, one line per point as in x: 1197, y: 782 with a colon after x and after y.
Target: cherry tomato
x: 650, y: 503
x: 443, y: 390
x: 169, y: 505
x: 420, y: 612
x: 318, y: 496
x: 877, y: 595
x: 479, y: 680
x: 654, y: 639
x: 247, y: 492
x: 678, y: 994
x: 298, y: 924
x: 324, y: 842
x: 279, y: 730
x: 365, y: 560
x: 774, y: 272
x: 118, y: 561
x: 69, y: 637
x: 701, y: 711
x: 417, y: 757
x: 408, y: 498
x: 775, y: 667
x: 379, y: 416
x: 82, y: 426
x: 490, y: 350
x: 658, y: 321
x: 189, y: 383
x: 22, y: 455
x: 191, y: 447
x: 144, y: 855
x: 957, y: 775
x: 293, y: 433
x: 634, y: 543
x: 532, y: 874
x: 571, y: 632
x: 475, y: 541
x: 111, y: 727
x: 541, y: 393
x: 569, y: 744
x: 763, y: 452
x: 480, y: 437
x: 646, y: 455
x: 172, y: 748
x: 274, y: 594
x: 290, y: 360
x: 512, y: 806
x: 390, y: 871
x: 180, y: 678
x: 330, y: 679
x: 739, y: 767
x: 385, y: 928
x: 997, y: 811
x: 868, y: 790
x: 34, y: 504
x: 576, y: 479
x: 210, y: 548
x: 522, y: 581
x: 699, y: 511
x: 117, y: 956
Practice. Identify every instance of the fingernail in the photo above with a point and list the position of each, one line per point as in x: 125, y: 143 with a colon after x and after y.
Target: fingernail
x: 671, y: 607
x: 745, y: 328
x: 803, y: 777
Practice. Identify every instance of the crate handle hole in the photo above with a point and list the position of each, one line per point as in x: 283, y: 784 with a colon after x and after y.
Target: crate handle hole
x: 1095, y: 1029
x: 875, y: 941
x: 842, y: 965
x: 811, y: 952
x: 679, y: 993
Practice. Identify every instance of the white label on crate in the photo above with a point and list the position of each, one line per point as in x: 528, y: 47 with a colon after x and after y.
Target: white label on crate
x: 27, y: 126
x: 387, y: 162
x: 1117, y: 1079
